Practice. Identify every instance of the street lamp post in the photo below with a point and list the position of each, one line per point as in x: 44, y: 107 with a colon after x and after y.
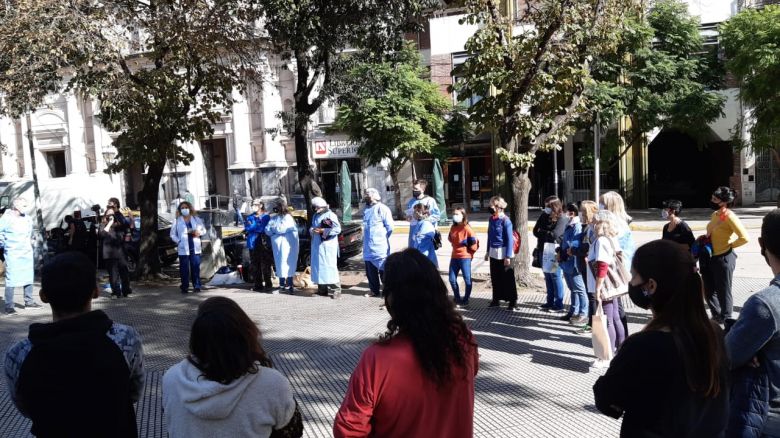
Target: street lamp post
x: 597, y: 157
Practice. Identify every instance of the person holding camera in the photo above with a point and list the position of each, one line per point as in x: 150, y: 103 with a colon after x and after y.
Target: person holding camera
x: 187, y: 232
x: 112, y: 236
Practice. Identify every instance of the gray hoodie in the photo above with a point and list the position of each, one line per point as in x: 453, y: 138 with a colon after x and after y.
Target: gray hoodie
x: 250, y: 406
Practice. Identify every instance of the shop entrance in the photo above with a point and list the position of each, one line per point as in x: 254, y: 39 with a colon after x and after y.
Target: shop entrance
x: 329, y: 173
x: 468, y: 181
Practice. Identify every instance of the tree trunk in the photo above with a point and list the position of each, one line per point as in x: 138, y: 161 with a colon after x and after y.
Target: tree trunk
x: 39, y: 233
x: 521, y: 188
x: 399, y: 213
x: 149, y: 260
x: 306, y: 177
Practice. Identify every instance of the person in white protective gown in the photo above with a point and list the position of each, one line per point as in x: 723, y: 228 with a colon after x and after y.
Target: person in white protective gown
x: 16, y: 239
x: 377, y: 228
x: 325, y: 230
x: 284, y: 242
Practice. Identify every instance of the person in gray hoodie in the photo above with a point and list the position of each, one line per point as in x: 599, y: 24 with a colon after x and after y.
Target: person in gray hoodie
x: 226, y: 386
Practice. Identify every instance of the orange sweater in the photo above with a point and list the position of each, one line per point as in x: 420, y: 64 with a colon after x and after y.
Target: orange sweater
x: 459, y: 233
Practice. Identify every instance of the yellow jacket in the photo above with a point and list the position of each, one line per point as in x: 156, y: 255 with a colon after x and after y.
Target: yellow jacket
x: 722, y: 230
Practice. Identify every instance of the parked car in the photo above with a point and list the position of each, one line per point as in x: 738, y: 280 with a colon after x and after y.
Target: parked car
x: 350, y: 242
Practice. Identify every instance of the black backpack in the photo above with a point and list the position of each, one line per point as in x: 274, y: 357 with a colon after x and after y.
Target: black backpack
x: 437, y: 239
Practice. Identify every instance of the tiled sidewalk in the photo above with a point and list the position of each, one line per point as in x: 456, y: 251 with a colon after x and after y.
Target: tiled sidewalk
x: 534, y: 378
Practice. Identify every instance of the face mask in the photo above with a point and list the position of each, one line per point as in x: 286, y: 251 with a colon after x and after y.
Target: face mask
x: 457, y: 218
x: 501, y: 215
x: 714, y: 206
x: 416, y: 193
x: 602, y: 207
x: 547, y: 210
x: 492, y: 211
x: 664, y: 214
x: 185, y: 211
x: 276, y: 210
x: 640, y: 297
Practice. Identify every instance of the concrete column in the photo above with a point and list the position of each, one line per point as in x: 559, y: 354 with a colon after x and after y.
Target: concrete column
x: 240, y: 151
x: 272, y: 105
x: 76, y: 138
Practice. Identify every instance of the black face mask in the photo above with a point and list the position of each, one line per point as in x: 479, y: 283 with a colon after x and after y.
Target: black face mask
x: 276, y: 210
x: 639, y: 297
x: 416, y: 193
x: 714, y: 206
x: 367, y: 201
x: 492, y: 210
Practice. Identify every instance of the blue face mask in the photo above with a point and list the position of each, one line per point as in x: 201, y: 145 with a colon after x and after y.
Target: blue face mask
x: 185, y: 211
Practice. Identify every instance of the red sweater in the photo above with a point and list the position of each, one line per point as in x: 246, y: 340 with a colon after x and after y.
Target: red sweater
x: 389, y: 396
x: 459, y: 233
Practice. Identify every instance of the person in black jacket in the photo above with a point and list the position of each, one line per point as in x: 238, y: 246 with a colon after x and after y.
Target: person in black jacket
x: 79, y: 375
x: 676, y: 230
x: 670, y: 379
x: 112, y: 233
x: 549, y: 228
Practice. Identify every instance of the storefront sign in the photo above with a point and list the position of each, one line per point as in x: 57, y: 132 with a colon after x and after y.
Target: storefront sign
x: 335, y: 149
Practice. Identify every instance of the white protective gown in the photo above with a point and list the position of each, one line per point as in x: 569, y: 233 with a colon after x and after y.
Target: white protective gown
x: 325, y: 249
x: 284, y: 241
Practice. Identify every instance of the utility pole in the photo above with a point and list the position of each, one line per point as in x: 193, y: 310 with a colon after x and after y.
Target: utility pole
x: 597, y: 158
x: 39, y: 242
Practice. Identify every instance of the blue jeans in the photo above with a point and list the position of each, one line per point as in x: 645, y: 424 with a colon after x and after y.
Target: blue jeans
x: 554, y: 282
x: 189, y: 269
x: 374, y: 276
x: 9, y: 296
x: 579, y: 299
x: 464, y: 266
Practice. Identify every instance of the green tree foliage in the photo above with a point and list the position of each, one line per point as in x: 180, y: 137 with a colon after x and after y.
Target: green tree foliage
x: 163, y: 72
x: 532, y: 71
x: 659, y: 76
x: 394, y: 112
x: 316, y: 34
x: 751, y: 40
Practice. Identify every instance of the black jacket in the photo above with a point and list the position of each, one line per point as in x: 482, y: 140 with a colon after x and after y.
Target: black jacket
x: 75, y: 380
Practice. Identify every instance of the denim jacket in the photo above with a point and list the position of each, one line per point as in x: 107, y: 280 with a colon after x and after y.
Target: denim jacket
x: 572, y: 237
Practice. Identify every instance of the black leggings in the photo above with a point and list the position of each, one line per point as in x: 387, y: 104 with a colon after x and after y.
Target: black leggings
x: 503, y: 279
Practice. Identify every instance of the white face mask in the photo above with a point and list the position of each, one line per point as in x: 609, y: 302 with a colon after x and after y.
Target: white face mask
x: 457, y: 218
x: 664, y: 214
x: 501, y: 215
x: 547, y: 210
x: 185, y: 211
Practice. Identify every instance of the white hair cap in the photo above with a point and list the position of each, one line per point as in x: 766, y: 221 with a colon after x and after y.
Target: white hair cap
x: 373, y: 194
x: 20, y: 204
x: 318, y: 202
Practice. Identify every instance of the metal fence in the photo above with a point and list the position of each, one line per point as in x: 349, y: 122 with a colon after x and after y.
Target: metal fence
x: 578, y: 185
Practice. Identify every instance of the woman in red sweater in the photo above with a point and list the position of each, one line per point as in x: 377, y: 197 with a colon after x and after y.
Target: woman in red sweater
x: 464, y: 245
x: 418, y: 379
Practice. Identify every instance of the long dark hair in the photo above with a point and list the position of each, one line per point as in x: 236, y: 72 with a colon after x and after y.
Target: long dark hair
x: 420, y: 310
x: 678, y: 306
x: 224, y: 342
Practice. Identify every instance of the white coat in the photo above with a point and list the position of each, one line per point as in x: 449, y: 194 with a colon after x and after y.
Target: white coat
x: 284, y: 242
x: 16, y: 238
x: 179, y: 234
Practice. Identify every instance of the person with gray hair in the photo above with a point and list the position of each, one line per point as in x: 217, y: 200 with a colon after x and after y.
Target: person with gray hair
x: 377, y: 228
x: 603, y: 254
x: 16, y: 239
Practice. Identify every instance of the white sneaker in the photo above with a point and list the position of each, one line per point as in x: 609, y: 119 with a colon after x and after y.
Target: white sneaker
x: 600, y: 364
